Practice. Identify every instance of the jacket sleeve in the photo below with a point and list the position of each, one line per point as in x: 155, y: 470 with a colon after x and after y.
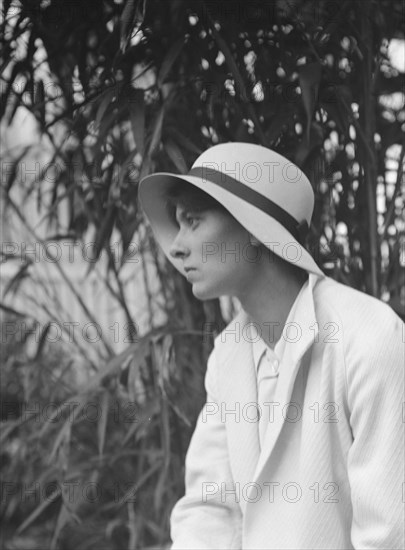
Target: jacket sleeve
x: 206, y: 517
x: 375, y: 378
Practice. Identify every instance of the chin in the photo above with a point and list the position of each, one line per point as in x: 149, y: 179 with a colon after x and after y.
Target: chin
x: 204, y: 294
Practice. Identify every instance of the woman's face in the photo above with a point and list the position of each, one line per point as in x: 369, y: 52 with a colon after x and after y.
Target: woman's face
x: 216, y: 252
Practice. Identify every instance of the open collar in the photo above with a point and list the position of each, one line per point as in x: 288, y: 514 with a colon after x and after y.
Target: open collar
x: 237, y: 374
x: 259, y: 346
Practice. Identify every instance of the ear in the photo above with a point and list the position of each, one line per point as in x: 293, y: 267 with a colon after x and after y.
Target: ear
x: 254, y: 241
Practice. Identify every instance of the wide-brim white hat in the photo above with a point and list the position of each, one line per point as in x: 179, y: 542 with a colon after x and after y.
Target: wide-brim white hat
x: 266, y: 193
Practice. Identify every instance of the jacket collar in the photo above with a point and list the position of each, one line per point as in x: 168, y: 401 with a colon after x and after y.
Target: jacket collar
x: 298, y: 338
x: 238, y: 374
x: 299, y: 331
x: 259, y: 347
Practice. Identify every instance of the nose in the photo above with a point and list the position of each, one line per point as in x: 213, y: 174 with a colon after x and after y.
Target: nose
x: 178, y: 248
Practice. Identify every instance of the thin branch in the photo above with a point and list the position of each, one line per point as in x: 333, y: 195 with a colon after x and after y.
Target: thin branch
x: 62, y: 273
x: 62, y: 327
x: 121, y: 293
x: 391, y: 207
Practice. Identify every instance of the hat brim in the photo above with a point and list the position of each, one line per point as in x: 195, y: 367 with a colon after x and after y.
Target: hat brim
x: 153, y: 193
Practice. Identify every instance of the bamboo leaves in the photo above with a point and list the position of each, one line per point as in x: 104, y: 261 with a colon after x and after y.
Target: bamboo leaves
x: 169, y: 61
x: 131, y: 21
x: 175, y: 154
x: 136, y: 109
x: 104, y: 403
x: 310, y: 77
x: 306, y: 93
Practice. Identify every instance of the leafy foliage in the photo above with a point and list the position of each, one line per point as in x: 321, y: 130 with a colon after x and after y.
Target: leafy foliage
x: 112, y: 86
x: 82, y: 463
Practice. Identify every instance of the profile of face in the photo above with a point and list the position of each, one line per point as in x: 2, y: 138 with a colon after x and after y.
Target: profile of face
x: 215, y: 250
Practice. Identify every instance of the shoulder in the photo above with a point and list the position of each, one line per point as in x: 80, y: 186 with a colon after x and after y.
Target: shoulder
x: 352, y: 307
x: 369, y: 326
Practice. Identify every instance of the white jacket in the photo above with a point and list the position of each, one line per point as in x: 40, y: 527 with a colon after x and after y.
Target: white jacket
x: 331, y: 471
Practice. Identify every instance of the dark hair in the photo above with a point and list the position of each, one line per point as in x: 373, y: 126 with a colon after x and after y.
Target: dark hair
x: 191, y: 198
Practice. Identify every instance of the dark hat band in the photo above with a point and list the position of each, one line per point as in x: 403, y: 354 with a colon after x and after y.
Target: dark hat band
x: 297, y: 229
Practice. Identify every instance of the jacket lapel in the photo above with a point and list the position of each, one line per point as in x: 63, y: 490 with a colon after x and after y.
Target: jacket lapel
x: 292, y: 355
x: 237, y: 381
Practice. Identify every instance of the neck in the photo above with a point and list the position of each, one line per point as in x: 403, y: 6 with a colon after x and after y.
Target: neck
x: 269, y: 299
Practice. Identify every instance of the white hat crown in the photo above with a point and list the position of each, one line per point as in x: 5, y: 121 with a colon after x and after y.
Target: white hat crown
x: 264, y: 171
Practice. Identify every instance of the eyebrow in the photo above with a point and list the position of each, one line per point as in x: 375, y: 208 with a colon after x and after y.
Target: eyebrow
x: 181, y: 213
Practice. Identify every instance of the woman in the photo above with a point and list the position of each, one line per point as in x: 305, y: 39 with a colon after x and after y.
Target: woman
x: 300, y: 443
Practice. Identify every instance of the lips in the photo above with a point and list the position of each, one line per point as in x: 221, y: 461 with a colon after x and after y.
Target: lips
x: 190, y: 271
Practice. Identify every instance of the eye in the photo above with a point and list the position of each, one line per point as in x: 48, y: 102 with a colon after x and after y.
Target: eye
x: 191, y: 220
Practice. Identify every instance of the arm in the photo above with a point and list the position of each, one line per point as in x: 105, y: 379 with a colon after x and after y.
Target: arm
x: 376, y: 459
x: 202, y: 519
